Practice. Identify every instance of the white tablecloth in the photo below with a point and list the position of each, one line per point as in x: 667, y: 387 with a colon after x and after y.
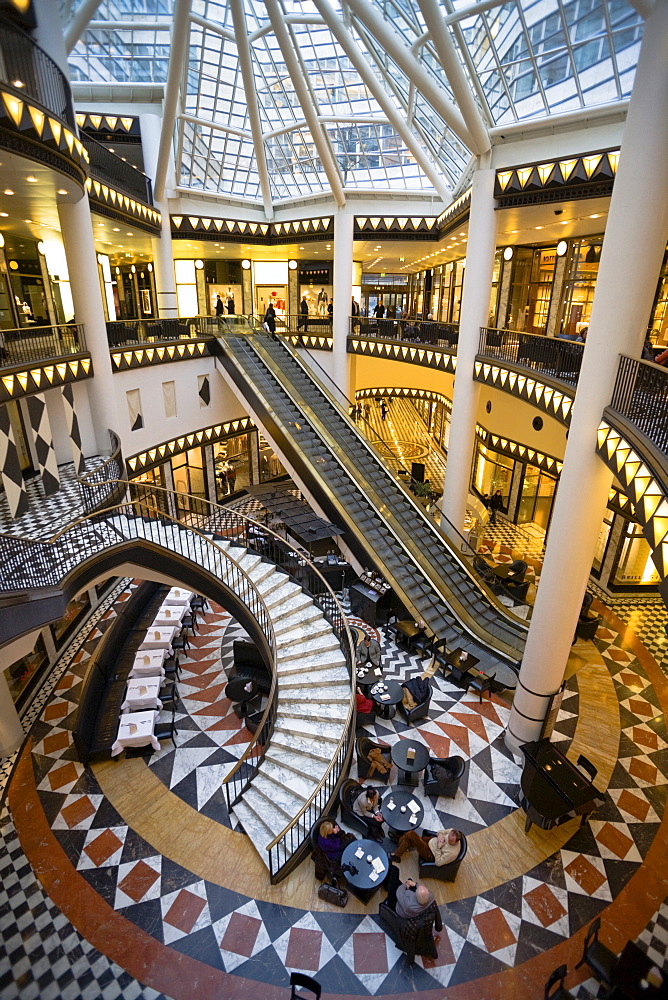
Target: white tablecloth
x: 149, y: 663
x: 178, y: 595
x: 136, y: 730
x: 170, y: 614
x: 142, y: 692
x: 159, y: 638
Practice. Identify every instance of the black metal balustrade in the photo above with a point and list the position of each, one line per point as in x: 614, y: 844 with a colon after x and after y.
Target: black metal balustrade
x: 29, y: 344
x: 129, y: 332
x: 641, y: 395
x: 413, y: 331
x: 102, y: 486
x: 293, y: 325
x: 110, y: 169
x: 559, y: 359
x: 29, y: 72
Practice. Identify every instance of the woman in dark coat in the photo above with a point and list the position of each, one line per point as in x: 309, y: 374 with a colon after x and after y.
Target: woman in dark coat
x: 496, y: 503
x: 270, y: 319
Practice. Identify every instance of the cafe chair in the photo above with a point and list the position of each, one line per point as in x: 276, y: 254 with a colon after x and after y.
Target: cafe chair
x: 172, y: 668
x: 180, y: 643
x: 421, y: 710
x: 166, y: 730
x: 198, y: 603
x: 253, y: 714
x: 482, y: 569
x: 169, y: 696
x: 586, y: 765
x: 600, y: 959
x: 422, y: 645
x: 189, y: 622
x: 554, y: 987
x: 440, y: 651
x: 323, y: 866
x: 409, y: 938
x: 586, y: 628
x: 348, y: 792
x: 443, y: 873
x: 441, y: 785
x: 481, y: 683
x: 304, y: 982
x: 518, y: 569
x: 363, y: 747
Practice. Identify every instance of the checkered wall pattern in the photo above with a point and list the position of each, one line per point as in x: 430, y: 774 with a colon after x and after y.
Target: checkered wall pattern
x: 40, y: 427
x: 10, y: 469
x: 73, y: 428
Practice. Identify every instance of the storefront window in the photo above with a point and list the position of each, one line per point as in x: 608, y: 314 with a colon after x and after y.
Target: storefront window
x: 20, y: 673
x: 457, y: 289
x: 493, y: 472
x: 537, y: 495
x: 602, y: 544
x: 580, y: 285
x: 519, y: 288
x: 635, y: 566
x: 232, y: 464
x: 446, y: 293
x: 658, y: 327
x: 496, y: 287
x: 74, y: 612
x: 188, y: 472
x: 26, y: 281
x: 270, y: 465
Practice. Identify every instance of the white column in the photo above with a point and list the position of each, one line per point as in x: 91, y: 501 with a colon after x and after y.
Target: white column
x: 480, y: 249
x: 633, y: 247
x: 163, y: 259
x: 77, y: 232
x: 11, y: 731
x: 342, y: 296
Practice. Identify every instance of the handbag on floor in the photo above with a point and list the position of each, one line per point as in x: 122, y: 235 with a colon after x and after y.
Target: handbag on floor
x: 331, y: 893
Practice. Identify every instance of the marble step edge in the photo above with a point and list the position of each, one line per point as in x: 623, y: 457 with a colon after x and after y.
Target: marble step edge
x: 279, y: 798
x: 300, y: 764
x: 325, y: 713
x: 338, y: 694
x: 318, y: 671
x: 274, y: 582
x: 280, y: 605
x: 303, y: 744
x: 283, y: 775
x: 327, y: 732
x: 312, y: 629
x: 291, y: 688
x: 272, y: 817
x: 257, y: 831
x: 312, y: 613
x: 325, y: 644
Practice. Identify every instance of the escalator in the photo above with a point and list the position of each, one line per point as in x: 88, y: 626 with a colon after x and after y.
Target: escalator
x: 385, y: 527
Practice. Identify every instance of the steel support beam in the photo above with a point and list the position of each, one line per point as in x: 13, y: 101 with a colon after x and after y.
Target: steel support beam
x: 310, y: 113
x: 400, y: 53
x: 248, y: 77
x: 179, y: 49
x: 385, y: 102
x: 449, y: 59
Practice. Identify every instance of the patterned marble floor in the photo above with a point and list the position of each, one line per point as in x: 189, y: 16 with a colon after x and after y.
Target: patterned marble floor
x: 47, y: 514
x: 182, y: 935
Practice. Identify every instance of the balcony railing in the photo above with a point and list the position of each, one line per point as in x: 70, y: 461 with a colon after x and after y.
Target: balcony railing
x: 40, y: 343
x: 559, y: 359
x: 641, y: 395
x: 110, y: 169
x: 413, y: 331
x: 130, y: 332
x: 29, y: 72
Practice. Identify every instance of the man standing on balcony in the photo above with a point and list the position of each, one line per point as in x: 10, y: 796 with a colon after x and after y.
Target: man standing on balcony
x: 303, y: 319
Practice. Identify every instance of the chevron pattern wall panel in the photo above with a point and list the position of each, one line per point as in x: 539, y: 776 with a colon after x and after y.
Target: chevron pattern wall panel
x: 40, y: 428
x: 10, y: 470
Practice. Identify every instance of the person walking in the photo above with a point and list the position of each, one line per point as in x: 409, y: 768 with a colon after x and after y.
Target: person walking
x: 495, y: 504
x: 270, y: 320
x: 220, y: 308
x: 303, y: 317
x: 383, y: 410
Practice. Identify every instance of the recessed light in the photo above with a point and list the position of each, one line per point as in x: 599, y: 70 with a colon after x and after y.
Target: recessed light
x: 31, y: 179
x: 128, y: 234
x: 8, y: 191
x: 3, y: 215
x: 62, y: 191
x: 116, y: 230
x: 100, y: 223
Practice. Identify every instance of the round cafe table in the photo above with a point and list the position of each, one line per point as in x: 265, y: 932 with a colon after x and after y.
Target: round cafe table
x: 360, y: 881
x: 409, y: 769
x: 395, y: 818
x: 367, y: 678
x: 241, y: 690
x: 387, y: 699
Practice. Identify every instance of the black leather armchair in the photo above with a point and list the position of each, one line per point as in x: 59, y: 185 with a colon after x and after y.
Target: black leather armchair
x: 363, y: 747
x: 348, y: 792
x: 421, y: 710
x: 444, y: 873
x: 448, y: 787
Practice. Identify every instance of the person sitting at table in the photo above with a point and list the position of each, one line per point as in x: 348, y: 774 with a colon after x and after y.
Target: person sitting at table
x: 332, y: 841
x: 368, y: 651
x: 364, y: 704
x: 439, y: 850
x: 367, y: 807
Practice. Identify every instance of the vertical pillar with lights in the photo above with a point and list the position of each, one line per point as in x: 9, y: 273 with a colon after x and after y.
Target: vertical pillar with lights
x: 342, y: 296
x: 77, y: 231
x: 480, y: 250
x: 163, y: 258
x: 633, y: 248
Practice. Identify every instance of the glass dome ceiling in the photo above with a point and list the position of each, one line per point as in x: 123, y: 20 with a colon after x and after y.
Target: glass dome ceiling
x: 282, y: 99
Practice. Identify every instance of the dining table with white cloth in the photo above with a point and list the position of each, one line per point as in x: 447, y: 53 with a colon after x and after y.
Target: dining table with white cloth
x: 159, y: 638
x: 136, y: 730
x: 178, y: 595
x: 142, y: 692
x: 149, y: 663
x: 169, y: 614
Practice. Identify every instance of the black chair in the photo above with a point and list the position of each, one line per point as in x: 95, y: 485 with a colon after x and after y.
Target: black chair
x: 189, y: 622
x: 172, y: 668
x: 323, y: 866
x: 180, y: 642
x: 518, y: 569
x: 517, y: 592
x: 587, y: 766
x: 363, y: 747
x: 444, y: 873
x: 482, y: 568
x: 166, y: 730
x: 397, y: 929
x: 445, y: 786
x: 364, y: 719
x: 600, y: 959
x: 586, y: 628
x: 422, y: 644
x: 348, y: 792
x: 556, y: 979
x: 169, y: 695
x: 298, y: 979
x: 198, y: 603
x: 421, y: 710
x: 440, y: 651
x: 481, y: 683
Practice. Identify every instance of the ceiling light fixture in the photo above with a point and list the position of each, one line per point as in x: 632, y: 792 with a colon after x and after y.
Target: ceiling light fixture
x: 31, y: 179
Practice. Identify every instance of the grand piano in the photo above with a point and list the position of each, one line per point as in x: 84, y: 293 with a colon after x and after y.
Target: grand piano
x: 553, y: 789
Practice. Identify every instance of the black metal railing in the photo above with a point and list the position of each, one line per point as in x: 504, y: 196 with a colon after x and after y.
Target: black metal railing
x: 109, y: 168
x: 129, y: 332
x: 413, y: 331
x: 29, y: 72
x: 293, y: 325
x: 29, y: 344
x: 559, y: 359
x: 100, y: 487
x: 641, y: 395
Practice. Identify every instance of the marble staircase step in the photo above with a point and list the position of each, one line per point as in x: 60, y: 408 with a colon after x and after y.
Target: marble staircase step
x: 272, y: 582
x: 304, y: 745
x: 307, y: 675
x: 311, y: 629
x: 309, y: 710
x: 303, y: 615
x: 315, y: 729
x: 282, y: 774
x: 300, y: 765
x: 300, y: 650
x: 261, y: 571
x: 278, y: 798
x: 286, y: 600
x: 335, y: 694
x: 258, y: 831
